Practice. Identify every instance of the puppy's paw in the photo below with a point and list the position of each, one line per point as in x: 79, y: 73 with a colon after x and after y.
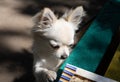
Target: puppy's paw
x: 45, y: 75
x: 51, y: 75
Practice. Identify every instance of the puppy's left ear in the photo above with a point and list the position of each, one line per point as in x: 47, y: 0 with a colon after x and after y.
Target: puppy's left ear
x: 44, y: 19
x: 76, y: 16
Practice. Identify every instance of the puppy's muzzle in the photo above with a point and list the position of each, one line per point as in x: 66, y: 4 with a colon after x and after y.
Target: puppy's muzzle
x: 64, y: 56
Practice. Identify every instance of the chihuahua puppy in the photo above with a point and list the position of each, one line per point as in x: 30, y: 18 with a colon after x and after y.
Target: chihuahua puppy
x: 53, y: 39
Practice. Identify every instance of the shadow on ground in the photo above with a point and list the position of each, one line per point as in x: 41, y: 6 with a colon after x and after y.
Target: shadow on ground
x: 16, y: 67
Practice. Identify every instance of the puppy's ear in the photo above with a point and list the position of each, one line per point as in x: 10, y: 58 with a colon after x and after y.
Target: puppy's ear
x: 75, y: 16
x: 44, y: 19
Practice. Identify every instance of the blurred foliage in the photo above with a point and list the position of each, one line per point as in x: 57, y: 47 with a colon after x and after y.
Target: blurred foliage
x: 113, y: 69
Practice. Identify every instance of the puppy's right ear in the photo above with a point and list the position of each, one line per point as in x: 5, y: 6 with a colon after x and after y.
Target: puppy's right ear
x: 44, y: 19
x: 75, y: 16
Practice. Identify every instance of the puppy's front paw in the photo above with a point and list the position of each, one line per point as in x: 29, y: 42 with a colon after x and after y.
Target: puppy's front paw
x: 51, y: 75
x: 45, y: 75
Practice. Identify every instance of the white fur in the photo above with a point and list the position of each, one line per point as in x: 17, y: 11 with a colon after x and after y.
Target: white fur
x: 52, y: 40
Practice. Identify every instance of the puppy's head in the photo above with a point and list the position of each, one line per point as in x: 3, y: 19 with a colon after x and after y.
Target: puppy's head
x: 60, y: 32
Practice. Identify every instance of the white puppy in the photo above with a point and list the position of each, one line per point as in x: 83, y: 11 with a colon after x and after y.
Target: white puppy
x: 53, y: 39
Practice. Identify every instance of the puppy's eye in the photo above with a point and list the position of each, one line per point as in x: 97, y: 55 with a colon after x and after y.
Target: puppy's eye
x: 54, y: 44
x: 71, y: 45
x: 55, y: 47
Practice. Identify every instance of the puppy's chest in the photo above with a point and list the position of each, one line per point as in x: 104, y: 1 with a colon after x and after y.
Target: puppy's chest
x: 49, y: 62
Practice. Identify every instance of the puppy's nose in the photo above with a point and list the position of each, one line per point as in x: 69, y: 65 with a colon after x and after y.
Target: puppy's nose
x: 64, y: 56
